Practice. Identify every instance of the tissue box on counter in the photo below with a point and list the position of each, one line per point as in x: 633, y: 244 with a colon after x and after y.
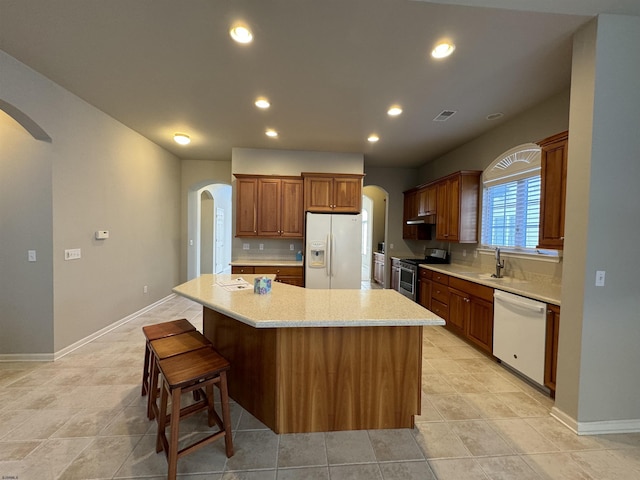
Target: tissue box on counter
x: 262, y: 285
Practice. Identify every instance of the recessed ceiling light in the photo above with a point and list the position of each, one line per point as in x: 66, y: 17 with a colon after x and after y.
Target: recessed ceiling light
x: 494, y: 116
x: 373, y: 138
x: 394, y: 111
x: 271, y: 133
x: 262, y: 103
x: 241, y: 33
x: 182, y: 139
x: 442, y: 50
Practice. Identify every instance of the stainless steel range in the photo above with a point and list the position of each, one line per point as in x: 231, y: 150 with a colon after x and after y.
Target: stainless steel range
x: 408, y: 285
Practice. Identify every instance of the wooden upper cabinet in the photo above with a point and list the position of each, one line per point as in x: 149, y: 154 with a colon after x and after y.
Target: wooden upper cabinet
x: 412, y: 204
x: 246, y: 206
x: 457, y: 207
x: 276, y: 210
x: 553, y: 186
x: 427, y: 200
x: 332, y: 193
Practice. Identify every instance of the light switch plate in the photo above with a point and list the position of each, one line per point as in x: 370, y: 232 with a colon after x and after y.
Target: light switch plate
x: 72, y: 254
x: 32, y: 255
x: 600, y: 278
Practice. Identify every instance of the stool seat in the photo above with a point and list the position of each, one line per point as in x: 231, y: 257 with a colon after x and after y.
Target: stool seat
x: 196, y: 370
x: 155, y: 332
x: 167, y: 347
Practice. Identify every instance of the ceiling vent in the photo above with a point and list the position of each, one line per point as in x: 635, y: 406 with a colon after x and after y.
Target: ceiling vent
x: 444, y: 115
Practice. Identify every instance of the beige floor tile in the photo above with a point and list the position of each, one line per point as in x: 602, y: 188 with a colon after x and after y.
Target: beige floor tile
x: 428, y: 411
x: 557, y: 466
x: 495, y: 382
x: 101, y: 459
x: 460, y: 352
x: 394, y: 445
x: 521, y: 436
x: 458, y: 469
x: 480, y: 439
x: 507, y: 468
x: 302, y: 449
x: 489, y: 405
x: 407, y: 471
x: 454, y: 407
x: 602, y: 464
x: 524, y: 405
x: 255, y: 475
x: 11, y: 419
x: 254, y: 450
x: 466, y: 383
x: 436, y: 385
x: 437, y: 440
x: 561, y: 436
x: 56, y: 454
x: 40, y: 425
x: 349, y: 447
x: 16, y: 450
x: 369, y: 471
x: 86, y: 423
x: 307, y: 473
x: 128, y: 421
x: 447, y: 366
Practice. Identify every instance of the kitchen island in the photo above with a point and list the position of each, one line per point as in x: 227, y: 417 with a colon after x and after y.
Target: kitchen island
x: 307, y: 360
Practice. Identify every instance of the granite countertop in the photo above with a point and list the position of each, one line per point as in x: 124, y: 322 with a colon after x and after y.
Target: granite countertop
x: 291, y: 306
x: 542, y: 291
x: 266, y: 263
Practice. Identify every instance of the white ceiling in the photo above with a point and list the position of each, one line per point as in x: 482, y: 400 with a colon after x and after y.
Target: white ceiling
x: 331, y: 68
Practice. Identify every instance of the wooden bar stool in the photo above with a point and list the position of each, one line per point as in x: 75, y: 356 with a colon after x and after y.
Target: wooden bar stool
x: 196, y: 370
x: 154, y: 332
x: 165, y: 348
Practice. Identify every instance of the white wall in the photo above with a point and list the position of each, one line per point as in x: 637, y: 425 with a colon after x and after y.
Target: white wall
x: 598, y: 385
x: 95, y: 174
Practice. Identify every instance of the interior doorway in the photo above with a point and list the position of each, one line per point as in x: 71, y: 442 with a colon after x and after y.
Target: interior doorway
x: 367, y: 255
x: 209, y: 229
x: 378, y: 215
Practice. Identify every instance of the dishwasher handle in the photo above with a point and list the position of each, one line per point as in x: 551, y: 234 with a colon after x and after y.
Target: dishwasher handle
x: 512, y: 300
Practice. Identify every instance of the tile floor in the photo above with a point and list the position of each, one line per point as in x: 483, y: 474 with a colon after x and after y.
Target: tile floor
x: 82, y: 417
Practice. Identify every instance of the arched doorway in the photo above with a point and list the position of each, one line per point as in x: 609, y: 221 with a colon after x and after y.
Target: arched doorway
x: 378, y: 215
x: 209, y: 229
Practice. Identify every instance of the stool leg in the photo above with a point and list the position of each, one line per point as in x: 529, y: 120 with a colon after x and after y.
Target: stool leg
x: 175, y: 429
x: 226, y: 416
x: 162, y: 420
x: 153, y: 388
x: 145, y: 371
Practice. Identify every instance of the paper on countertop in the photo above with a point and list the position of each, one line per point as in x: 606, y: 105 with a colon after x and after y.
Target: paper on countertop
x: 235, y: 284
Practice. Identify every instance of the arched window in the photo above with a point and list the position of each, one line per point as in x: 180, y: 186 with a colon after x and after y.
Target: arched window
x: 511, y: 199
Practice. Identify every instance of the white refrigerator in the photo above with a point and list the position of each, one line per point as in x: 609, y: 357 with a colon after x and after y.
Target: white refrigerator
x: 333, y: 246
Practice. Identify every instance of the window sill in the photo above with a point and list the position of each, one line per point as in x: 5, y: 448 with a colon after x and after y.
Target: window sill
x: 550, y: 256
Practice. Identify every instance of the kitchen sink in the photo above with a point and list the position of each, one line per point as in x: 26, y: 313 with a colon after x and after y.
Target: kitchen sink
x: 489, y: 276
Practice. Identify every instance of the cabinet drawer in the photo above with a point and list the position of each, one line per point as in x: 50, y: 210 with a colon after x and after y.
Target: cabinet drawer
x: 472, y: 289
x: 440, y: 278
x: 286, y: 271
x: 425, y: 273
x: 440, y: 309
x: 237, y: 270
x: 440, y: 293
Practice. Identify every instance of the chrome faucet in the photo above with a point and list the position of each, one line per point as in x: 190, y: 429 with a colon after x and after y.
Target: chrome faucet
x: 499, y: 265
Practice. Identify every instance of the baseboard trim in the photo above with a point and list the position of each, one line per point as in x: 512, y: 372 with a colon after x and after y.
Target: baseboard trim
x: 51, y: 357
x: 598, y: 427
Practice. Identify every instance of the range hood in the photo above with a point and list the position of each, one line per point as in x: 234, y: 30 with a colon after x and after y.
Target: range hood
x: 422, y: 220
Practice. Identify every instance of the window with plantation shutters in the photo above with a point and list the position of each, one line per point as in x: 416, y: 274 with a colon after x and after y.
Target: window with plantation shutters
x: 511, y: 199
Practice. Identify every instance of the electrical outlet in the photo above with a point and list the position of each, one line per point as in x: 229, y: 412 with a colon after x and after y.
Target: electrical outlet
x: 145, y: 289
x: 391, y: 246
x: 261, y: 246
x: 464, y: 252
x: 32, y: 255
x: 475, y: 254
x: 72, y: 254
x: 291, y: 247
x: 600, y: 278
x: 245, y: 246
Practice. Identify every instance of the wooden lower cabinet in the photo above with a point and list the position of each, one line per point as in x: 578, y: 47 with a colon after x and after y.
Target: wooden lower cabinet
x: 467, y: 308
x: 298, y: 379
x: 551, y: 347
x: 424, y: 290
x: 288, y: 275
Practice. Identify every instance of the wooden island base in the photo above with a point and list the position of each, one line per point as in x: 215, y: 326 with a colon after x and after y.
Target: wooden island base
x: 322, y: 379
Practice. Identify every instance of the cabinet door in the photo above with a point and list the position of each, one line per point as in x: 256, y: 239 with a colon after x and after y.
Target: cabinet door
x: 409, y: 211
x: 553, y: 183
x: 480, y: 323
x: 292, y: 213
x: 347, y: 195
x: 458, y: 312
x: 395, y: 275
x: 442, y: 219
x: 431, y: 200
x: 240, y: 270
x: 269, y: 198
x: 318, y: 194
x: 424, y: 297
x: 246, y: 207
x: 551, y: 347
x: 453, y: 210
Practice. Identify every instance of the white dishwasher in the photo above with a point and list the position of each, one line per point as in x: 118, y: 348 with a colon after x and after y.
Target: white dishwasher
x: 519, y: 327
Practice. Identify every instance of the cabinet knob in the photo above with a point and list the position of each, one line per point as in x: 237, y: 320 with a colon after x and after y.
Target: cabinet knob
x: 561, y: 238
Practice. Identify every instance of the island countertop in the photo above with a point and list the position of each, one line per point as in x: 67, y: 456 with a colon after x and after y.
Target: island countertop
x: 291, y: 306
